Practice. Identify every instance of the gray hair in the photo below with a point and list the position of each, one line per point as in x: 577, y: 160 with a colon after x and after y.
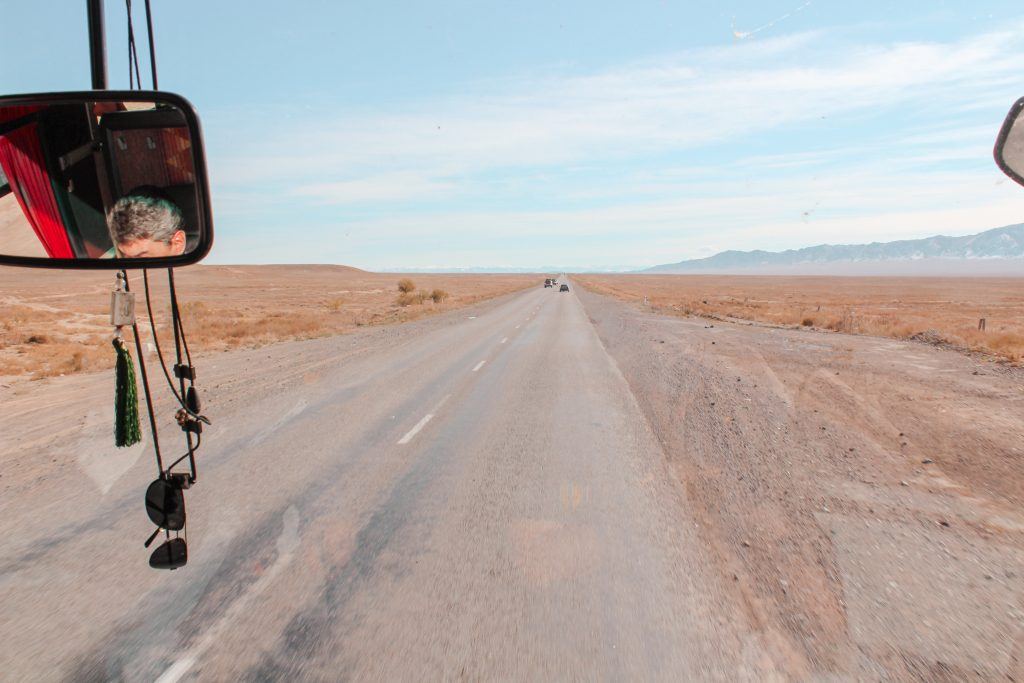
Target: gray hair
x: 139, y: 216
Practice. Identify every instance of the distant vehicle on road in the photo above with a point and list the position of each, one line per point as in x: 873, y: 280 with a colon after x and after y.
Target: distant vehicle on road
x: 563, y: 288
x: 549, y: 283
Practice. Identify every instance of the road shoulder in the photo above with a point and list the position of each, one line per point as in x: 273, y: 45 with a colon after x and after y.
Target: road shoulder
x: 852, y: 489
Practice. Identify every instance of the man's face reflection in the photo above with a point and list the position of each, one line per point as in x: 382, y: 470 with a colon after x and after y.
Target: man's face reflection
x: 150, y: 248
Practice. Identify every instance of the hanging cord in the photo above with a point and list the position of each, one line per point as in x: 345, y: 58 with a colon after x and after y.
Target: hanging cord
x: 156, y: 342
x: 199, y: 441
x: 177, y: 315
x: 159, y: 351
x: 152, y: 49
x: 145, y: 382
x: 179, y: 335
x: 134, y: 80
x: 180, y: 344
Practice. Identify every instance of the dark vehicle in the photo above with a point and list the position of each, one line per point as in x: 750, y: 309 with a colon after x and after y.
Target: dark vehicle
x: 563, y: 288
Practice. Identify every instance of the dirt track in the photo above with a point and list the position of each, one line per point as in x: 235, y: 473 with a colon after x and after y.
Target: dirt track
x: 864, y: 494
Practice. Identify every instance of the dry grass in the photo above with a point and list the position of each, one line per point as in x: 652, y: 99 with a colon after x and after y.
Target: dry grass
x: 939, y: 310
x: 38, y: 340
x: 54, y: 323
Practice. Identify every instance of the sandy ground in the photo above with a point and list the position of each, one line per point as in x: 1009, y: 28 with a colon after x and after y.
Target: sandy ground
x: 863, y: 494
x: 57, y: 322
x: 942, y: 310
x: 599, y: 491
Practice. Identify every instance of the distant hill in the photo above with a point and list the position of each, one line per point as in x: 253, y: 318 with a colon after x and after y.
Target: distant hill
x: 999, y: 251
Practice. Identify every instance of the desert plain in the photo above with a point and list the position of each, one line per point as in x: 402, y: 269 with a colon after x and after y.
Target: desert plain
x: 697, y: 478
x: 56, y: 323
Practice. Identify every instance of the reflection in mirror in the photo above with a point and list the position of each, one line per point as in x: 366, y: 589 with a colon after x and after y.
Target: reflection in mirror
x: 170, y: 555
x: 96, y: 180
x: 1011, y: 153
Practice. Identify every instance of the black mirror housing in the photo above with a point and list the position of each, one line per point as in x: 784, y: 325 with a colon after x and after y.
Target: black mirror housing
x: 68, y: 158
x: 1009, y: 149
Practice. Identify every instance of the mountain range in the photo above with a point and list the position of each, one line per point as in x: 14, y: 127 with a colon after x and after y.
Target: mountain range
x: 999, y: 251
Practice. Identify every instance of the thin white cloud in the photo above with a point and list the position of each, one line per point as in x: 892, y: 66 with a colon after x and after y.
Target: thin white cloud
x: 622, y: 121
x: 378, y: 188
x: 741, y: 35
x: 685, y: 101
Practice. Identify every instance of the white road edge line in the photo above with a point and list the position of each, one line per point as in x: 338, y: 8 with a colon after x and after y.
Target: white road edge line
x: 415, y: 430
x: 479, y: 365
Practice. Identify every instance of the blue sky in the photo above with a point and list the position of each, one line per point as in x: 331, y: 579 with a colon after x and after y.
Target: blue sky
x: 460, y: 134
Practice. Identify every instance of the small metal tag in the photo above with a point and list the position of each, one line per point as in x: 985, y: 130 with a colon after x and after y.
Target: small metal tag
x: 122, y: 308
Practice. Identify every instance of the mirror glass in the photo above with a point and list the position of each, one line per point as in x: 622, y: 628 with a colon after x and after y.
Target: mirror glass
x: 171, y: 555
x: 99, y: 181
x: 1010, y: 147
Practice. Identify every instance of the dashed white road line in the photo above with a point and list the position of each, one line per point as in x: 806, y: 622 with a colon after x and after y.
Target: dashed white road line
x: 504, y: 340
x: 517, y: 327
x: 423, y: 423
x: 479, y: 365
x: 415, y: 430
x: 176, y: 670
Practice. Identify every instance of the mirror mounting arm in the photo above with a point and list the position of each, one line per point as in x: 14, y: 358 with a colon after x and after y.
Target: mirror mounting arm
x: 97, y: 45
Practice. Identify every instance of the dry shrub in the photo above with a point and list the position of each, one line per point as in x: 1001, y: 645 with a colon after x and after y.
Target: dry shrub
x: 808, y: 322
x: 194, y: 308
x: 407, y: 299
x: 22, y: 315
x: 334, y: 305
x: 1007, y: 344
x: 438, y: 295
x: 406, y: 286
x: 76, y: 362
x: 67, y: 358
x: 259, y: 330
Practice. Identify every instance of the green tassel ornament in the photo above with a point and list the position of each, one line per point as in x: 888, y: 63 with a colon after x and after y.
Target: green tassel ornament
x: 126, y: 399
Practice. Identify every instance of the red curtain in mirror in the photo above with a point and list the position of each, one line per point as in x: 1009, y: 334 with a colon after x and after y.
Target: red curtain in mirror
x: 21, y: 156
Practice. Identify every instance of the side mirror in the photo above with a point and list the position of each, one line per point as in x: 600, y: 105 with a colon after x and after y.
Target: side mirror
x: 102, y: 179
x: 1009, y: 151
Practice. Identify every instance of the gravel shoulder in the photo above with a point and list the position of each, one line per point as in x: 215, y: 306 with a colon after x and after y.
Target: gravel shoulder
x: 861, y: 495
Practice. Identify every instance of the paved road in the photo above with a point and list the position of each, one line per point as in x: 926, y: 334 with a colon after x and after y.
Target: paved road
x: 474, y: 497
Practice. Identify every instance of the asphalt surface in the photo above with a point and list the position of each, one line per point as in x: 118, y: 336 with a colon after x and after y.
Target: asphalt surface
x: 473, y: 497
